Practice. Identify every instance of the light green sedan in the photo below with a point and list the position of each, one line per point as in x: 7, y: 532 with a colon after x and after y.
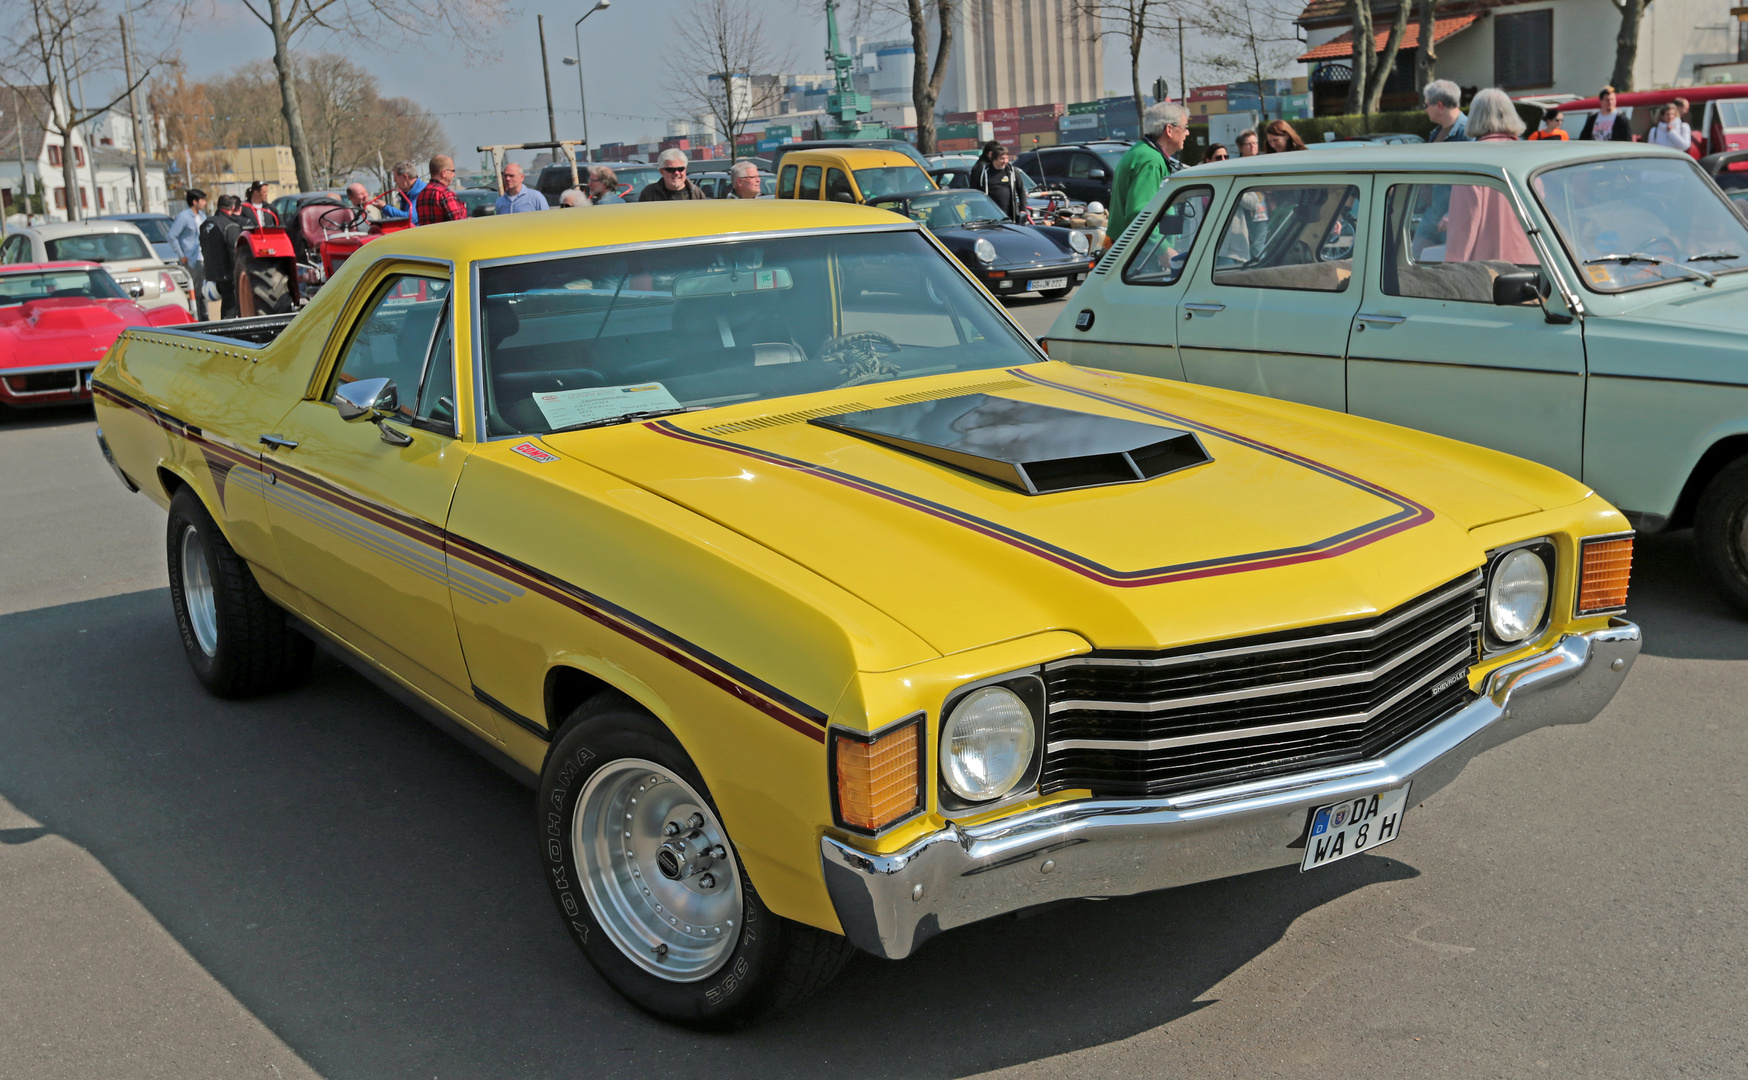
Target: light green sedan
x: 1583, y: 305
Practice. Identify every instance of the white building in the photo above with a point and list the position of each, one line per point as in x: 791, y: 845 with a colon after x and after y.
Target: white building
x: 1533, y: 47
x: 30, y: 161
x: 1013, y: 53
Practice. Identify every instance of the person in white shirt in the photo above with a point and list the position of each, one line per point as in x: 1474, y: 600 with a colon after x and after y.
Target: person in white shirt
x: 1670, y: 130
x: 185, y: 238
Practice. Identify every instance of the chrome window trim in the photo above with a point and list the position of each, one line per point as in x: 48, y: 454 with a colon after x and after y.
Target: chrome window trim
x: 476, y: 342
x: 1466, y: 583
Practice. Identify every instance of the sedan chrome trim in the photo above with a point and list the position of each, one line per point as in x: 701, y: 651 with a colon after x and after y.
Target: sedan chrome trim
x: 1272, y: 690
x: 1234, y: 734
x: 1470, y: 583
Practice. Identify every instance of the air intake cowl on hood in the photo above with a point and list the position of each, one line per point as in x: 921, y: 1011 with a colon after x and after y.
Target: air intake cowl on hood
x: 1036, y: 449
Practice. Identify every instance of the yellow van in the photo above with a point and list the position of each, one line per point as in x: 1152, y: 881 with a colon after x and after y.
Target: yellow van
x: 849, y: 174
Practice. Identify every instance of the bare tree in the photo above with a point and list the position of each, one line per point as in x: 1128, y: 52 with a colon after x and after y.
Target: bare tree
x: 1132, y: 22
x: 931, y: 27
x: 1626, y: 42
x: 1426, y: 57
x: 186, y: 113
x: 42, y: 51
x: 722, y: 65
x: 290, y: 20
x: 1386, y: 61
x: 1371, y: 69
x: 1245, y: 40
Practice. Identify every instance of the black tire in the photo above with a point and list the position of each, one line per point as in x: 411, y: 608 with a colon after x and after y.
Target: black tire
x: 1720, y: 524
x: 269, y: 285
x: 1055, y: 294
x: 253, y: 650
x: 774, y: 963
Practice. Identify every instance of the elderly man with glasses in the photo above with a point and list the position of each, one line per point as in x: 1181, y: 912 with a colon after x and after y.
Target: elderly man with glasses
x: 673, y: 184
x: 1164, y: 129
x: 745, y: 179
x: 518, y: 198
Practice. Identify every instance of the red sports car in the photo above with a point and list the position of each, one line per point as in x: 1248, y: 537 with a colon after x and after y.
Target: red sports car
x: 56, y: 322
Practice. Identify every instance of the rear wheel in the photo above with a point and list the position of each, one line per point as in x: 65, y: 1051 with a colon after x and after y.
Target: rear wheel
x: 647, y: 879
x: 1720, y: 524
x: 269, y: 285
x: 237, y: 641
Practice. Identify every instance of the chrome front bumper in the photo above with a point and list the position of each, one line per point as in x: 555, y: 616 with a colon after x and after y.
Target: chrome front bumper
x: 890, y: 904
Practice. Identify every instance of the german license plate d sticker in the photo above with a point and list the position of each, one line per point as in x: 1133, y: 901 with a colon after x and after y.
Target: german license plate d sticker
x: 1046, y: 283
x: 1348, y: 828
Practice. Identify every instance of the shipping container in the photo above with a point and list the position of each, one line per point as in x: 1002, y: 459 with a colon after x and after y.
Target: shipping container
x: 1078, y: 123
x: 777, y: 131
x: 1035, y: 124
x: 997, y: 116
x: 1081, y: 107
x: 1034, y: 112
x: 1033, y: 140
x: 956, y: 131
x: 952, y: 146
x: 767, y: 145
x: 1208, y: 93
x: 964, y: 117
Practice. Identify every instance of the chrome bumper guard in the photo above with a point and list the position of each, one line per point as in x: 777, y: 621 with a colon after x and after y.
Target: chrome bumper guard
x: 890, y: 904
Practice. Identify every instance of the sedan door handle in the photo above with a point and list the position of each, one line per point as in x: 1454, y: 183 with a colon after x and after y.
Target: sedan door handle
x: 1381, y: 320
x: 1192, y: 310
x: 278, y: 442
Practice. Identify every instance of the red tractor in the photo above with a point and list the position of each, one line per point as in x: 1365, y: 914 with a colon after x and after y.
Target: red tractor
x: 285, y: 267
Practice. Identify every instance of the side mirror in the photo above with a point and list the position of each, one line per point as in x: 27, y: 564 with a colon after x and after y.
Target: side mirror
x: 843, y: 196
x: 1095, y: 174
x: 363, y: 399
x: 1522, y: 287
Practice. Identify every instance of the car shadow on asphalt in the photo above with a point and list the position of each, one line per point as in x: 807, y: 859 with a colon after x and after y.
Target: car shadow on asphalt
x: 368, y: 889
x: 1673, y: 600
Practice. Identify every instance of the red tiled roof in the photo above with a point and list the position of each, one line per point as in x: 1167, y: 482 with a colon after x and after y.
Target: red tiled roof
x: 1343, y: 45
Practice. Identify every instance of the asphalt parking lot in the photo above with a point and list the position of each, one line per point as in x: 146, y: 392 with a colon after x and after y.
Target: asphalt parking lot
x: 321, y: 884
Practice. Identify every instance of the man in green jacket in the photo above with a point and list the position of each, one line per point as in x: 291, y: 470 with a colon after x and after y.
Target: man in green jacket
x: 1164, y: 130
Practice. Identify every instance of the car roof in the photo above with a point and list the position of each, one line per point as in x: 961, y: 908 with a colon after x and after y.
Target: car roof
x: 854, y: 157
x: 1497, y: 157
x: 54, y: 230
x: 65, y: 264
x: 131, y: 217
x: 515, y: 235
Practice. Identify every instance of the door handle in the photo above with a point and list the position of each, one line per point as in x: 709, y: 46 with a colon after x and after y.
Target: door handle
x: 278, y: 442
x: 1192, y: 310
x: 1381, y: 320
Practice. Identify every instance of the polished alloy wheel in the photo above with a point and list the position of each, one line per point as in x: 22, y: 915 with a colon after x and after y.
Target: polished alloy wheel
x: 657, y: 869
x: 197, y: 591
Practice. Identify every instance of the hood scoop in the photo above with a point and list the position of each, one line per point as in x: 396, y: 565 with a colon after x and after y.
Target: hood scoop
x: 1036, y: 449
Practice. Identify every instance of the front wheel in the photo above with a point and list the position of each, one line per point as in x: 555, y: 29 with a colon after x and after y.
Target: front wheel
x: 1720, y: 524
x: 647, y: 879
x: 237, y: 640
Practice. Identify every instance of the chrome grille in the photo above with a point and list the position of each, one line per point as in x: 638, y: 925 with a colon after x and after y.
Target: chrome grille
x: 1134, y: 723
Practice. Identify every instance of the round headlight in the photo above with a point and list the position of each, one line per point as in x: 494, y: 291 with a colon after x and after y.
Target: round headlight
x: 1077, y: 243
x: 1517, y: 597
x: 985, y: 250
x: 987, y: 744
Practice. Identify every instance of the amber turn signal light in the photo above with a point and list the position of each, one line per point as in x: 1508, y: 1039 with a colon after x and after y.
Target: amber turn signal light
x: 1603, y: 575
x: 877, y: 779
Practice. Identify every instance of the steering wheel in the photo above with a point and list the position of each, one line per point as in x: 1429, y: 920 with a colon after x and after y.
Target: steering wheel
x: 859, y: 358
x: 327, y: 221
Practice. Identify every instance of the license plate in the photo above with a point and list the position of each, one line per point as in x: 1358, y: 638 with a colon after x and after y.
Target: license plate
x: 1037, y: 284
x: 1348, y: 828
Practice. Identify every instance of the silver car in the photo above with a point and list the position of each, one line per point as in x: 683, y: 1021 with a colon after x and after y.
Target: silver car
x: 120, y: 246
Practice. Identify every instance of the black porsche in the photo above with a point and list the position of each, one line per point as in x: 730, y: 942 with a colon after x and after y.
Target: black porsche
x: 1006, y: 257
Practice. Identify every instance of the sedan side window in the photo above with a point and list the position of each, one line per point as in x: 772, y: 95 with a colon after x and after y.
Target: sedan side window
x: 786, y: 186
x: 405, y: 337
x: 810, y: 182
x: 1449, y: 241
x: 1290, y: 238
x: 14, y: 251
x: 1081, y: 166
x: 1160, y: 258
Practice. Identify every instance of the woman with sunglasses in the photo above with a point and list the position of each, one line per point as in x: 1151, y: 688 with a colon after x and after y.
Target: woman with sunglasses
x: 1218, y: 152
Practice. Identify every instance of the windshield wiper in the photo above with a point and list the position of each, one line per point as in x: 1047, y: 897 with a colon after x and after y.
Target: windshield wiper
x: 625, y: 418
x: 1713, y: 256
x: 1639, y: 256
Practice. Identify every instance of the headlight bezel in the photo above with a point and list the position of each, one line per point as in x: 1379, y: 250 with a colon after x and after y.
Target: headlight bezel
x: 985, y: 251
x: 1082, y: 247
x: 1029, y: 688
x: 1493, y: 643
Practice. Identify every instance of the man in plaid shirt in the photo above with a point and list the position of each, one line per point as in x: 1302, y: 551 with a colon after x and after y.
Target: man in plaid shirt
x: 437, y: 203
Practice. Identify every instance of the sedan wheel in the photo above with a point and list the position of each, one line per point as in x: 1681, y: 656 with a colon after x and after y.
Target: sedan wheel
x: 1720, y: 525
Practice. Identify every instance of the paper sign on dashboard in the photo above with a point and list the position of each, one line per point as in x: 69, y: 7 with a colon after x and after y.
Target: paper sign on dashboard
x: 564, y: 408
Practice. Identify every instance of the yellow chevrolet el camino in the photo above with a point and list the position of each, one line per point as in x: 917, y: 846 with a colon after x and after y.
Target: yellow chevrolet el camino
x: 819, y: 606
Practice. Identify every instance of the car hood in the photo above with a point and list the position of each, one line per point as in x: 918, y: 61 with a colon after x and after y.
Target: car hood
x: 1013, y: 243
x: 64, y: 331
x: 1290, y: 522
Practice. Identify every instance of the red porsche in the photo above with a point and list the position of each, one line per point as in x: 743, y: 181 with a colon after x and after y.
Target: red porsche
x: 56, y: 322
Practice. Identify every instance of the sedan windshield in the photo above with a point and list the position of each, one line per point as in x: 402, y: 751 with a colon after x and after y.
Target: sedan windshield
x: 58, y: 285
x: 1640, y: 221
x: 98, y: 247
x: 948, y: 208
x: 585, y: 340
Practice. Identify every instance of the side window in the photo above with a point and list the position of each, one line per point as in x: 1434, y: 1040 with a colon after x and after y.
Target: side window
x: 1290, y: 238
x: 405, y: 337
x: 1160, y: 257
x: 1052, y: 164
x: 810, y: 182
x: 1449, y: 241
x: 17, y: 249
x: 837, y: 186
x: 1080, y: 166
x: 786, y: 186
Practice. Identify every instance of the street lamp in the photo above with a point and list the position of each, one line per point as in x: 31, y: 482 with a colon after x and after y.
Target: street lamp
x: 577, y: 60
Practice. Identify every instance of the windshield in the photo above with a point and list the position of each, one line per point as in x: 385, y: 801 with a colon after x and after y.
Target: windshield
x: 58, y: 284
x: 572, y: 341
x: 1658, y: 211
x: 1734, y: 114
x: 98, y: 247
x: 949, y: 208
x: 891, y: 180
x: 157, y: 230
